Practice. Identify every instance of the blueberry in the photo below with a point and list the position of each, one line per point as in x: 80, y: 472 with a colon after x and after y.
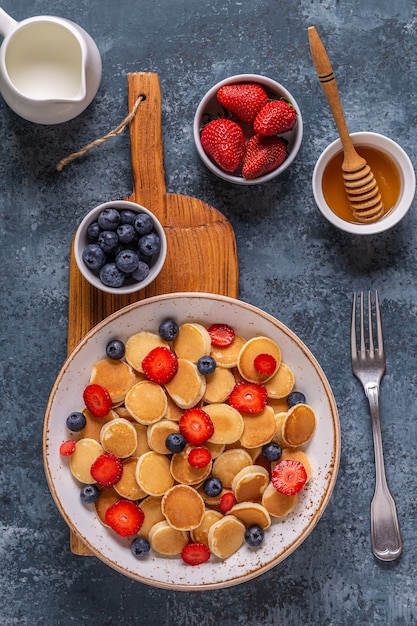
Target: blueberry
x: 109, y: 219
x: 93, y: 256
x: 149, y: 244
x: 141, y: 272
x: 254, y: 535
x: 93, y: 231
x: 111, y: 276
x: 175, y: 442
x: 140, y: 547
x: 76, y: 421
x: 127, y: 216
x: 168, y: 330
x: 271, y: 451
x: 206, y: 365
x: 115, y: 349
x: 143, y: 223
x: 89, y: 493
x: 126, y: 233
x: 127, y: 261
x: 212, y: 487
x: 295, y: 397
x: 108, y: 240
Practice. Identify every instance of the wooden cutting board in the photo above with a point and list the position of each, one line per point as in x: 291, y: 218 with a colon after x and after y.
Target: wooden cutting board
x: 200, y: 240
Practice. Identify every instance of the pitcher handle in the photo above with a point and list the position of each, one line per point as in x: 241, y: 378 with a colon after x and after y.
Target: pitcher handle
x: 7, y: 23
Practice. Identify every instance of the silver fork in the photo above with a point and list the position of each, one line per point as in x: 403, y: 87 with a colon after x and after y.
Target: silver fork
x: 368, y: 364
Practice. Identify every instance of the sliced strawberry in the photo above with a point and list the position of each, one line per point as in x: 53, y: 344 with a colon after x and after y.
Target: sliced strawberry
x: 199, y: 456
x: 196, y: 426
x: 67, y: 447
x: 124, y: 517
x: 160, y: 365
x: 265, y: 364
x: 195, y: 553
x: 248, y: 397
x: 289, y: 477
x: 107, y: 469
x: 221, y: 335
x: 227, y: 502
x: 97, y: 400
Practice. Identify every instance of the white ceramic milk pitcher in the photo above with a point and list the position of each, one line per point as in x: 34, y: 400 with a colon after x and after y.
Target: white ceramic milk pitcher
x: 50, y: 68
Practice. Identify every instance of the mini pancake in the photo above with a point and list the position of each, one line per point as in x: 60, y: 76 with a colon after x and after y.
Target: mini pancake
x: 253, y: 348
x: 183, y: 472
x: 127, y: 487
x: 115, y: 376
x: 188, y: 385
x: 211, y: 501
x: 157, y: 434
x: 281, y: 383
x: 226, y: 536
x: 174, y: 412
x: 107, y: 497
x: 299, y: 425
x: 94, y: 425
x: 250, y: 483
x: 153, y: 473
x: 151, y: 506
x: 119, y: 437
x: 215, y: 448
x: 229, y: 463
x: 227, y: 422
x: 258, y: 429
x: 251, y: 514
x: 278, y: 504
x: 298, y: 455
x: 139, y: 345
x: 227, y: 357
x: 142, y: 436
x: 146, y: 402
x: 200, y: 534
x: 278, y: 404
x: 166, y: 540
x: 183, y: 507
x: 279, y: 420
x: 85, y: 453
x: 219, y: 385
x: 192, y: 342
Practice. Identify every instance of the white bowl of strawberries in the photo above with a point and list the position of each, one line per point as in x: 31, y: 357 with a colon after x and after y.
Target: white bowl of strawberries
x: 248, y: 129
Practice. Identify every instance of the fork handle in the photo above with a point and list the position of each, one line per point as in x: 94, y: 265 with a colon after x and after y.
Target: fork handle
x: 385, y: 529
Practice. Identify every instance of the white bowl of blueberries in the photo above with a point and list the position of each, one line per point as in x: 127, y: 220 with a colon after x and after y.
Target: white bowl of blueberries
x: 120, y: 247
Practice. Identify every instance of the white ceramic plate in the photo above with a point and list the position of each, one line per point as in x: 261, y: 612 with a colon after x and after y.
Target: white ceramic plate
x: 283, y: 537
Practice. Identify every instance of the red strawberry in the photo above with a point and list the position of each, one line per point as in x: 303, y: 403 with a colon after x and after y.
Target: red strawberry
x: 196, y: 426
x: 248, y: 397
x: 263, y: 154
x: 289, y: 477
x: 265, y: 364
x: 160, y: 365
x: 97, y: 400
x: 275, y: 118
x: 224, y: 141
x: 199, y: 456
x: 107, y: 469
x: 244, y: 100
x: 124, y: 517
x: 195, y: 553
x: 221, y: 335
x: 227, y: 502
x: 67, y: 447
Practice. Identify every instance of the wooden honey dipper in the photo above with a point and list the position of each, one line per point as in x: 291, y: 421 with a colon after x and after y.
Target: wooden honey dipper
x: 360, y: 184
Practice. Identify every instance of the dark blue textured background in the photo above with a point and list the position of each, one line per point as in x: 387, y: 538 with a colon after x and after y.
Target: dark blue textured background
x: 293, y: 264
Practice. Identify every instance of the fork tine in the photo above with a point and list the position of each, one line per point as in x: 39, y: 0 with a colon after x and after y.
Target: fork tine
x: 380, y: 337
x: 370, y: 330
x: 353, y: 329
x: 363, y: 347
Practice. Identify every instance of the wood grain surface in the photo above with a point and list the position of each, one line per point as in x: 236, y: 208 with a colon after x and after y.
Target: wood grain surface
x: 201, y: 243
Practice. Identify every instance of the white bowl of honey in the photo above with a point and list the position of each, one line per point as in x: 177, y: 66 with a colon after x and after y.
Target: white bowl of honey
x: 392, y: 169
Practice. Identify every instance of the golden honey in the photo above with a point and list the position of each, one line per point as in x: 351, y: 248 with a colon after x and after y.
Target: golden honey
x: 384, y: 170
